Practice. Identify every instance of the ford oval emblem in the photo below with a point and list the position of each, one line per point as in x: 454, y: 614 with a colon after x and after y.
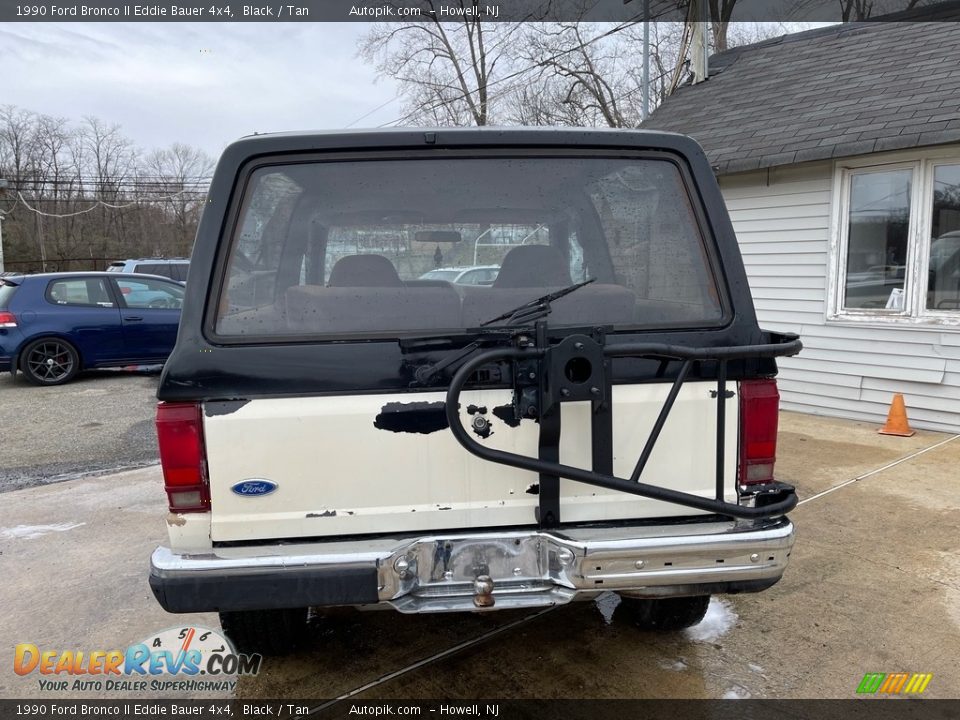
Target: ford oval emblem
x: 254, y: 487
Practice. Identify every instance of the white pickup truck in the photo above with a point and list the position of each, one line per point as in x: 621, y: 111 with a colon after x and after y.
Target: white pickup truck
x: 337, y: 430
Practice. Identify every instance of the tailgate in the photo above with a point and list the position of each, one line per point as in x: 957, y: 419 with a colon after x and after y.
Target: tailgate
x: 336, y: 473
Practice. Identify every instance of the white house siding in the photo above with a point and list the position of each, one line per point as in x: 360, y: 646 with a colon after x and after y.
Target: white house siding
x: 782, y: 221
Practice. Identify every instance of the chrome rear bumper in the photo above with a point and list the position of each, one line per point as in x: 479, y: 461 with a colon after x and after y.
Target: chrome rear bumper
x: 479, y: 571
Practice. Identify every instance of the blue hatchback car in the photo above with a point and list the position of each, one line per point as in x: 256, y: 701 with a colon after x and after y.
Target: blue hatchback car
x: 53, y: 325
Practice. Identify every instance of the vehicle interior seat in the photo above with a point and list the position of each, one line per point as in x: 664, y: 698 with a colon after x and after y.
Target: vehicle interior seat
x: 364, y: 271
x: 533, y: 266
x: 365, y: 294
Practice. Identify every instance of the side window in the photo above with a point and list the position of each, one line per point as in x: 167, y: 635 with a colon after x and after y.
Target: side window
x: 877, y: 236
x: 79, y: 291
x: 943, y: 284
x: 487, y: 276
x: 654, y: 243
x: 164, y: 269
x: 478, y: 277
x: 259, y: 244
x: 150, y: 294
x: 578, y: 266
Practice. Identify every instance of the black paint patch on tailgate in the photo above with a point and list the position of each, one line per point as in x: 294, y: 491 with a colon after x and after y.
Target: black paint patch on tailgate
x: 416, y: 417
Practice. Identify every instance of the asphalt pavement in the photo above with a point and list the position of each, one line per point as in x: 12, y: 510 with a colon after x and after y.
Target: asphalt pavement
x: 100, y: 422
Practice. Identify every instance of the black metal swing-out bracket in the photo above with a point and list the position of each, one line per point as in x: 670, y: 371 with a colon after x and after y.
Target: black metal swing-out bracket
x: 577, y: 369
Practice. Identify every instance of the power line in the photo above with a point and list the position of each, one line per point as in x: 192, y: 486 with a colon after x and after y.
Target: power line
x: 93, y: 207
x: 371, y: 112
x: 80, y: 180
x: 523, y: 71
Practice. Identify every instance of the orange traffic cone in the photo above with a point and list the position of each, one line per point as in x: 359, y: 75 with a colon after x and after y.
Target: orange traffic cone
x: 897, y: 419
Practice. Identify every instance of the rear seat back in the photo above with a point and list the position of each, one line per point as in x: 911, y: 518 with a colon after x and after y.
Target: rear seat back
x: 318, y: 309
x: 366, y: 295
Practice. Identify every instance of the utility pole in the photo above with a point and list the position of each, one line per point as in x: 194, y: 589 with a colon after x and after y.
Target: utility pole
x: 645, y: 110
x: 3, y: 191
x: 700, y: 18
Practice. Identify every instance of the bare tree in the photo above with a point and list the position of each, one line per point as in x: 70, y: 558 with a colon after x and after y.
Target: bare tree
x: 575, y: 79
x: 174, y: 175
x: 82, y: 194
x: 444, y: 70
x: 590, y: 75
x: 17, y: 137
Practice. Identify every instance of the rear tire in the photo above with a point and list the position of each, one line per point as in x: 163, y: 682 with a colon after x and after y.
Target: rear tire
x: 268, y: 632
x: 665, y: 614
x: 49, y: 361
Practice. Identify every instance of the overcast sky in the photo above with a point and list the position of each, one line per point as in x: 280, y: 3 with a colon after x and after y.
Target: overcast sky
x: 203, y: 84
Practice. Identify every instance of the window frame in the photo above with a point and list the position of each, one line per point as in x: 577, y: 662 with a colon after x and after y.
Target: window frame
x: 714, y: 266
x: 922, y: 165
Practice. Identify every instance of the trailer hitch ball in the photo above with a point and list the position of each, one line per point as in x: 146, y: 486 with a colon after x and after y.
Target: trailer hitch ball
x: 483, y: 591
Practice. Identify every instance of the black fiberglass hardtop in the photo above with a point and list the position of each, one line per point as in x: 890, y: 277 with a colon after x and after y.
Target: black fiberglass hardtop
x: 271, y: 356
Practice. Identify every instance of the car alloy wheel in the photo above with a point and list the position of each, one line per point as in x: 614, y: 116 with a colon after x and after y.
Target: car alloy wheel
x: 50, y: 362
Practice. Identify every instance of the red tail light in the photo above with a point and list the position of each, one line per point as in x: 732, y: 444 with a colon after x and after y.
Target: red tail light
x: 759, y: 411
x: 183, y: 457
x: 7, y: 319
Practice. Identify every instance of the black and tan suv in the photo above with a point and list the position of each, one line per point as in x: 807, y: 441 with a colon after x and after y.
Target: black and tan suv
x: 336, y: 430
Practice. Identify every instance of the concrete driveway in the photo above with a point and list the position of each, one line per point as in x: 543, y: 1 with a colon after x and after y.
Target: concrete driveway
x: 873, y: 586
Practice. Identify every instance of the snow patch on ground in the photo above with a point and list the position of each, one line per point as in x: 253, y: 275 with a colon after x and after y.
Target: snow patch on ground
x: 675, y: 665
x: 755, y: 668
x: 29, y: 532
x: 736, y: 693
x: 718, y: 621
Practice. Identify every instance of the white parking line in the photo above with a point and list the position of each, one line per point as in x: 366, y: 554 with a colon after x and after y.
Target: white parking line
x: 878, y: 470
x: 432, y: 658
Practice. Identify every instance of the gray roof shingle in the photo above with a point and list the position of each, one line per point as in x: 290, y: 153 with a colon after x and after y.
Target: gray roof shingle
x: 832, y: 92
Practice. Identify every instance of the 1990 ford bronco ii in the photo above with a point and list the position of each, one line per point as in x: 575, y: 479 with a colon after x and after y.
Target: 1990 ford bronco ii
x: 336, y: 430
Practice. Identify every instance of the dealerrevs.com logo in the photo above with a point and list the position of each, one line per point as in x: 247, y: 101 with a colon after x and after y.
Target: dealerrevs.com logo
x: 186, y: 659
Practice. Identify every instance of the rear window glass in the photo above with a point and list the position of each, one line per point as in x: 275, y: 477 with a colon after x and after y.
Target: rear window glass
x: 164, y: 269
x: 401, y: 246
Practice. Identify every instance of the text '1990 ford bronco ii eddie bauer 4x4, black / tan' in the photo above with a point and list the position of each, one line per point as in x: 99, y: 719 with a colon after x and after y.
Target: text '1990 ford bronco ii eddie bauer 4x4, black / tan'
x: 336, y: 430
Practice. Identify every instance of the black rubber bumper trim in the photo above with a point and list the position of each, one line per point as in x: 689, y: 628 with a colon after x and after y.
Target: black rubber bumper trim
x: 731, y: 587
x: 265, y: 590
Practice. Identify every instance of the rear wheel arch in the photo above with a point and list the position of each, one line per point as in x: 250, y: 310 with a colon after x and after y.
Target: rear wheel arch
x: 18, y: 353
x: 23, y: 352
